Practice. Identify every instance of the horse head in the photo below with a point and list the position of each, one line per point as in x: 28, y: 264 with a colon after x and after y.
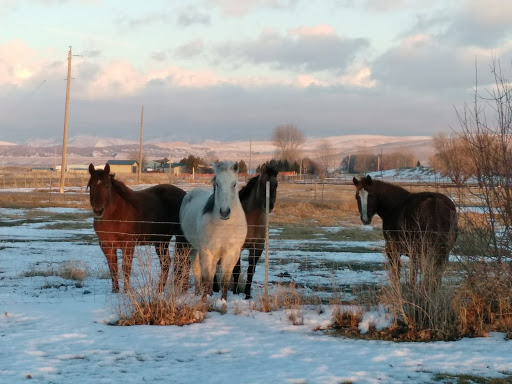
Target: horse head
x: 100, y: 186
x: 268, y: 173
x: 225, y: 189
x: 366, y: 199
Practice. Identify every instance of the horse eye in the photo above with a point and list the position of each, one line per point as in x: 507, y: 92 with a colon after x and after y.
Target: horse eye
x: 234, y: 185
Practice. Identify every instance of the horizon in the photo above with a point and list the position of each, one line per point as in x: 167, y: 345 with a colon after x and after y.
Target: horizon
x: 228, y: 70
x: 106, y: 141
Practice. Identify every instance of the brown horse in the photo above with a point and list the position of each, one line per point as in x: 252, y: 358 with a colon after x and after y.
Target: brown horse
x: 124, y: 218
x: 252, y: 197
x: 414, y: 224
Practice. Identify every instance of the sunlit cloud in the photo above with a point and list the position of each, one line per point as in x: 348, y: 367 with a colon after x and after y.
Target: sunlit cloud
x: 235, y: 8
x: 319, y: 30
x: 18, y: 63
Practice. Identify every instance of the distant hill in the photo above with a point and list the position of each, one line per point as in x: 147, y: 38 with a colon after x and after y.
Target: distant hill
x: 87, y: 149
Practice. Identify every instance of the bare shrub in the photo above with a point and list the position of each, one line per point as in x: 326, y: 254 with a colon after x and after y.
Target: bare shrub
x: 477, y: 158
x: 144, y: 304
x: 422, y: 306
x: 484, y: 301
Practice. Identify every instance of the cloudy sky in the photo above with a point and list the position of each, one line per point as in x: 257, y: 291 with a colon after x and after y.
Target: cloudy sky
x: 231, y: 69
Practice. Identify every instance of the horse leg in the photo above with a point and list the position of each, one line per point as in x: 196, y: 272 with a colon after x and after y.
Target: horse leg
x: 162, y: 250
x: 111, y: 255
x: 254, y: 255
x: 236, y: 275
x: 182, y: 251
x: 228, y: 262
x: 216, y: 287
x: 128, y: 251
x: 413, y: 270
x: 208, y: 265
x: 394, y: 262
x: 196, y: 269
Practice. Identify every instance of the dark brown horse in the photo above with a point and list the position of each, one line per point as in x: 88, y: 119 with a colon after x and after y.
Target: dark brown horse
x: 124, y: 218
x: 414, y: 224
x: 252, y: 197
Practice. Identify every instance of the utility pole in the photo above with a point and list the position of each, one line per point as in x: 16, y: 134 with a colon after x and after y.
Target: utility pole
x: 250, y: 154
x: 65, y: 139
x: 140, y: 146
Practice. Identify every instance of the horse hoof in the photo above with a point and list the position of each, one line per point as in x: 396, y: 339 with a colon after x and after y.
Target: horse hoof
x: 248, y: 297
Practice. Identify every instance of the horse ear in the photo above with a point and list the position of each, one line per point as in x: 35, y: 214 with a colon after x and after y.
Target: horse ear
x: 355, y: 181
x: 263, y: 168
x: 91, y: 168
x: 107, y: 168
x: 235, y: 166
x: 368, y: 179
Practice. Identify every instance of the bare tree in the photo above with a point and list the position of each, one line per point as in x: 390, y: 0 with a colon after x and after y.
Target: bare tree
x: 134, y: 155
x: 453, y: 158
x: 399, y: 159
x: 288, y: 140
x: 326, y: 156
x: 365, y: 162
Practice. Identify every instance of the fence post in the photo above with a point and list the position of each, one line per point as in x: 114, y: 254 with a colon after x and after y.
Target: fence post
x: 267, y: 203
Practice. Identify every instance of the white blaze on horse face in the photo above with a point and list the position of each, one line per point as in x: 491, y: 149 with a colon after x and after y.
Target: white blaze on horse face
x: 363, y: 196
x: 226, y: 192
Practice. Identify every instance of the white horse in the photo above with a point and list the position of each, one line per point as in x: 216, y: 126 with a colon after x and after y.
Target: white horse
x: 215, y: 225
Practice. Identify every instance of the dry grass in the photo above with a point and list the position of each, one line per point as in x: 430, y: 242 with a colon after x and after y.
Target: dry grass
x: 484, y: 299
x: 143, y: 304
x: 71, y: 270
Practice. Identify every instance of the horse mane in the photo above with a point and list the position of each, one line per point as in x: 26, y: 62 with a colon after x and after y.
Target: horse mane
x: 124, y: 191
x: 385, y: 186
x: 246, y: 190
x: 272, y: 168
x: 210, y: 203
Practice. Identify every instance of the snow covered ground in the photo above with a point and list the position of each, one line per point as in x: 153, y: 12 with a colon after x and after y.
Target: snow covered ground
x: 53, y: 330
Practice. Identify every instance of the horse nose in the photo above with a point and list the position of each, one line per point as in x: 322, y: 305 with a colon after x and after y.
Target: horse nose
x: 225, y: 213
x: 98, y: 212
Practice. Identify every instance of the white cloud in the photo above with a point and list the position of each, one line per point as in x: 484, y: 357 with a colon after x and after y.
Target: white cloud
x: 18, y: 63
x: 490, y: 11
x: 304, y: 49
x: 360, y: 77
x: 319, y: 30
x: 116, y: 79
x: 236, y: 8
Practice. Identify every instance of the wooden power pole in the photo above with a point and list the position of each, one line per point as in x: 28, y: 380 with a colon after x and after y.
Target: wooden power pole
x: 140, y: 146
x: 65, y: 138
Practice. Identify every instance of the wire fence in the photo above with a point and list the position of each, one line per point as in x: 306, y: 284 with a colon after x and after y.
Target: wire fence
x: 325, y: 262
x: 324, y: 256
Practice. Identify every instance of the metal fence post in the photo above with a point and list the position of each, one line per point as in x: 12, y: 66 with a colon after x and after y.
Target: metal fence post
x: 267, y: 203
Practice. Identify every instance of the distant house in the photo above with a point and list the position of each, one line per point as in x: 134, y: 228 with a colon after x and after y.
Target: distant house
x: 77, y: 168
x: 162, y: 165
x: 123, y: 166
x: 42, y: 169
x: 178, y: 168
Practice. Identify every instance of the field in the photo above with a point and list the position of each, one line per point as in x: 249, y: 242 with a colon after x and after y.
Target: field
x: 56, y: 300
